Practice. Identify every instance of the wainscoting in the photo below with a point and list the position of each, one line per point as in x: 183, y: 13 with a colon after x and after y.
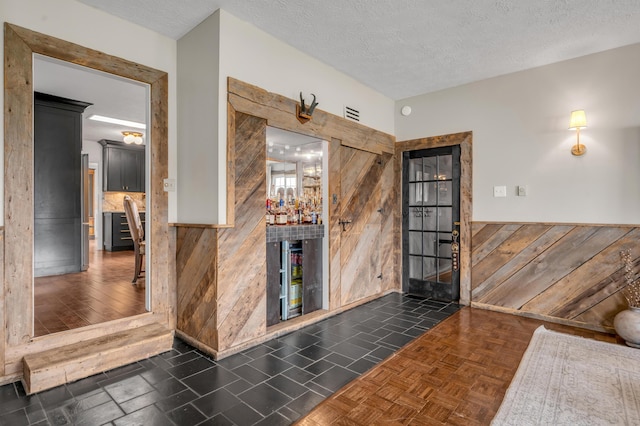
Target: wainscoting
x: 564, y: 272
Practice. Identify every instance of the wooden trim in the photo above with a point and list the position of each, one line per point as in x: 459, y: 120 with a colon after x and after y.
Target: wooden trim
x: 626, y: 225
x: 196, y: 225
x: 464, y: 139
x: 231, y: 164
x: 20, y: 44
x: 280, y: 112
x: 543, y: 317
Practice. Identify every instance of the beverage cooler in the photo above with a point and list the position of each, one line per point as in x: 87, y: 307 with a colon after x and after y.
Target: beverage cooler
x: 294, y: 273
x: 291, y: 284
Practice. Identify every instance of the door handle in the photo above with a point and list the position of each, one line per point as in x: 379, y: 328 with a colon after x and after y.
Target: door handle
x: 344, y: 223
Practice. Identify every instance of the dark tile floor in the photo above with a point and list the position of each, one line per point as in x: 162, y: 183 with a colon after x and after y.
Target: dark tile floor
x: 274, y: 383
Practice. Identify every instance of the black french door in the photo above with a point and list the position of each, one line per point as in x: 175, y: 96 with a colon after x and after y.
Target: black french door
x: 431, y: 223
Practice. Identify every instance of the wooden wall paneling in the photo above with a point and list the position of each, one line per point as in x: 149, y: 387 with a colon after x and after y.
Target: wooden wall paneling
x: 557, y: 261
x: 241, y: 305
x: 2, y: 306
x: 360, y: 241
x: 18, y: 188
x: 231, y: 164
x: 483, y: 289
x: 563, y: 272
x: 503, y: 250
x: 335, y: 229
x: 20, y: 44
x: 161, y: 256
x: 196, y: 265
x: 466, y: 200
x: 390, y: 249
x: 575, y: 288
x: 481, y: 250
x: 281, y: 113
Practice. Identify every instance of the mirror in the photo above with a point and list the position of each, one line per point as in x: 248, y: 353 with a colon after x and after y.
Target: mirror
x: 82, y: 279
x: 294, y: 177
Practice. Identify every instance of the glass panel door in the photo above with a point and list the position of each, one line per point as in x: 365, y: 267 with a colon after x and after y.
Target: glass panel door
x: 430, y: 228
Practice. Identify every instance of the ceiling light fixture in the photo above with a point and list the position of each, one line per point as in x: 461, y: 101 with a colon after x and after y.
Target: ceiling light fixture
x: 132, y: 137
x: 117, y: 121
x: 578, y: 121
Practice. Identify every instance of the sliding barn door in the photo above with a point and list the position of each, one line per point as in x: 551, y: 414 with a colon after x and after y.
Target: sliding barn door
x: 361, y: 221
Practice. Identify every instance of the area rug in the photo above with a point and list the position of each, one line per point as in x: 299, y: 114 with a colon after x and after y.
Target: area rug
x: 569, y: 380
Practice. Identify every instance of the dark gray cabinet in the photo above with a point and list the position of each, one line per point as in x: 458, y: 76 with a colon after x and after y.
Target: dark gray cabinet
x: 116, y: 231
x: 57, y: 185
x: 123, y: 166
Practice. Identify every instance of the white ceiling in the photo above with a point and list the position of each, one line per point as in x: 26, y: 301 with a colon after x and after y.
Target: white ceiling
x: 400, y: 48
x: 404, y: 48
x: 109, y: 95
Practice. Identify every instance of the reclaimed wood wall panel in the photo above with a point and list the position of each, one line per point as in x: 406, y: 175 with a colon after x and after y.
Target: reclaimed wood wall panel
x: 196, y: 268
x: 242, y: 268
x: 335, y: 230
x: 281, y: 113
x: 360, y: 241
x: 565, y: 271
x: 2, y: 305
x: 18, y: 187
x: 390, y: 252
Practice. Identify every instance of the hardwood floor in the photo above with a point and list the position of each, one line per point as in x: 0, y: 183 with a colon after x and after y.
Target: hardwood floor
x: 102, y: 293
x: 456, y: 373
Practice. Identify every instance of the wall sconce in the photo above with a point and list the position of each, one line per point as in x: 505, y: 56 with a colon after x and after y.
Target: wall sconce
x: 578, y: 121
x: 304, y: 112
x: 132, y: 137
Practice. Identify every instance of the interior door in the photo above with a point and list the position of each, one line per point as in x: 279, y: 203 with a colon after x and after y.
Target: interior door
x: 360, y: 218
x: 431, y: 223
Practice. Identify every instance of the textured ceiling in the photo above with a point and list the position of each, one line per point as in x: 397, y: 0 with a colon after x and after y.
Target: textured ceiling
x: 403, y: 48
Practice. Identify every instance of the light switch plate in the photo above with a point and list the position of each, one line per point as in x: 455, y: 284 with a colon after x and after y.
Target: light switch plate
x: 500, y: 191
x: 169, y: 185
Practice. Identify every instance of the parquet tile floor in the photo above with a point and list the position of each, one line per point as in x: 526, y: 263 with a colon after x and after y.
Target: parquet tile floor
x: 102, y: 293
x: 456, y: 374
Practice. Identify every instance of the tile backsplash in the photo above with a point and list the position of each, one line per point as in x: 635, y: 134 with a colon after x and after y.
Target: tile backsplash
x: 113, y: 201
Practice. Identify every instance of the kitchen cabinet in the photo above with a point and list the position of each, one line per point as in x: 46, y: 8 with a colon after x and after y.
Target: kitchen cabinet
x: 57, y: 185
x: 124, y: 166
x: 116, y: 231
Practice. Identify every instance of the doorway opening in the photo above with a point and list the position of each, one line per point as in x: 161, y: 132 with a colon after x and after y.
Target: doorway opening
x: 431, y: 223
x: 100, y: 289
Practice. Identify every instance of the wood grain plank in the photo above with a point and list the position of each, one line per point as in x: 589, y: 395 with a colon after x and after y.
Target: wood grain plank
x: 572, y: 250
x: 335, y: 231
x: 490, y: 244
x: 578, y: 285
x: 483, y: 292
x: 18, y: 188
x: 281, y: 113
x: 505, y: 250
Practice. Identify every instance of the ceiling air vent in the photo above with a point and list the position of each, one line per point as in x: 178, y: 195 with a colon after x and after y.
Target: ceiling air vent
x: 351, y: 113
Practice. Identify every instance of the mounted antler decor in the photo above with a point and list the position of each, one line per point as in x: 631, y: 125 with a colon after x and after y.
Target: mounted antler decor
x: 304, y: 113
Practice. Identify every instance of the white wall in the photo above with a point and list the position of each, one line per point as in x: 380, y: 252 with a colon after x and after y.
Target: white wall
x: 198, y: 159
x: 520, y: 137
x: 75, y: 22
x: 250, y: 55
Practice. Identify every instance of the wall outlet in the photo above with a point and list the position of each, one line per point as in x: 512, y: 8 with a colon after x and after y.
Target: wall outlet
x: 169, y: 185
x: 500, y: 191
x: 521, y: 191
